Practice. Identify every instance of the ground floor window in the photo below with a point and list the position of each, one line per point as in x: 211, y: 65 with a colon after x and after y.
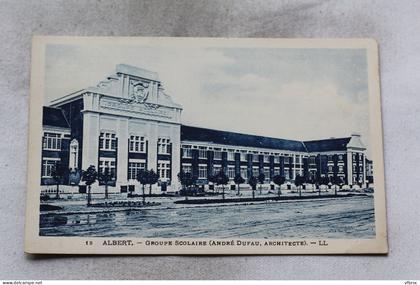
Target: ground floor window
x: 217, y: 168
x: 164, y: 169
x: 107, y: 163
x: 286, y: 173
x: 231, y: 172
x: 48, y: 166
x: 267, y: 174
x: 255, y: 171
x: 244, y: 172
x: 202, y: 171
x: 186, y: 168
x: 135, y: 167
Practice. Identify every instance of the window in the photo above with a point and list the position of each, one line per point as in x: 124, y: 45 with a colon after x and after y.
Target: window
x: 354, y: 156
x: 52, y: 141
x: 135, y: 167
x: 340, y: 157
x: 330, y: 169
x: 231, y: 156
x: 107, y: 163
x: 244, y: 172
x: 267, y: 173
x: 217, y: 155
x: 354, y: 168
x: 276, y: 170
x: 255, y: 171
x: 202, y: 153
x: 47, y: 166
x: 287, y: 159
x: 231, y: 172
x: 255, y: 158
x: 137, y: 144
x: 340, y: 168
x: 243, y: 156
x: 297, y: 159
x: 163, y: 146
x: 107, y: 141
x: 186, y: 168
x: 217, y: 168
x: 266, y: 158
x: 287, y: 173
x: 202, y: 171
x: 360, y: 169
x: 164, y: 169
x: 186, y: 152
x: 312, y: 160
x: 329, y: 158
x: 277, y: 159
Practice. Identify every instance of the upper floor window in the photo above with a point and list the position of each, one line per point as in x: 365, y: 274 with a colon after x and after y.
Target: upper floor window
x: 217, y: 154
x: 297, y: 159
x: 163, y: 146
x: 266, y: 158
x: 255, y: 157
x: 52, y: 141
x: 243, y: 156
x: 137, y: 144
x: 312, y: 160
x: 231, y: 172
x: 340, y: 157
x: 286, y: 159
x: 277, y: 159
x: 186, y: 168
x: 231, y: 155
x: 329, y: 157
x: 107, y: 141
x: 202, y: 153
x: 202, y: 171
x: 186, y: 152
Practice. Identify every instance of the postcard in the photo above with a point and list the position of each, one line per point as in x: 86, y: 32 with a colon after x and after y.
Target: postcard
x: 205, y: 146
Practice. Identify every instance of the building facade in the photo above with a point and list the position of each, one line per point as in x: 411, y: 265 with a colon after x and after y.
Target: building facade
x: 127, y: 123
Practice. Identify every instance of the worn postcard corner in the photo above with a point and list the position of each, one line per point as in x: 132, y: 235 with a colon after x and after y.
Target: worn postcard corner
x: 205, y: 146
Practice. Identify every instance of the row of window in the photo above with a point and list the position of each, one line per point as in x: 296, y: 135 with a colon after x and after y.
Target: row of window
x: 202, y: 171
x: 202, y: 154
x: 108, y: 142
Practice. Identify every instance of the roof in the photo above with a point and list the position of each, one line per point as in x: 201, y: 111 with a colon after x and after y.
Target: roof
x: 327, y: 144
x: 54, y: 117
x: 230, y: 138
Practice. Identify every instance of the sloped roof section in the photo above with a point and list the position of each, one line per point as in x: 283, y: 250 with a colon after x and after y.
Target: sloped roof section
x: 327, y: 144
x: 230, y: 138
x: 54, y: 117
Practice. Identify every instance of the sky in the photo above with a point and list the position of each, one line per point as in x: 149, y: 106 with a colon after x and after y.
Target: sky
x: 300, y: 94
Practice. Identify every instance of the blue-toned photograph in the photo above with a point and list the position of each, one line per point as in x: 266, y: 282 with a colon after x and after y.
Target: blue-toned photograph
x: 206, y: 142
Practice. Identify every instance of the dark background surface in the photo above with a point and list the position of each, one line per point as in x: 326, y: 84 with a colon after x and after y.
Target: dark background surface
x: 394, y: 24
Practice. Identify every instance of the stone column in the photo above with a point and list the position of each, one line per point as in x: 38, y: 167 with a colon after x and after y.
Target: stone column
x: 90, y: 140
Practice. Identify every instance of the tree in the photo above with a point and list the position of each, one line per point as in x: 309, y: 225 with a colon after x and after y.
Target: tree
x: 187, y: 180
x: 57, y: 174
x: 253, y: 181
x: 261, y: 179
x: 152, y: 179
x: 143, y: 178
x: 222, y: 179
x: 238, y: 181
x: 279, y: 180
x: 105, y: 177
x: 299, y: 180
x: 89, y: 176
